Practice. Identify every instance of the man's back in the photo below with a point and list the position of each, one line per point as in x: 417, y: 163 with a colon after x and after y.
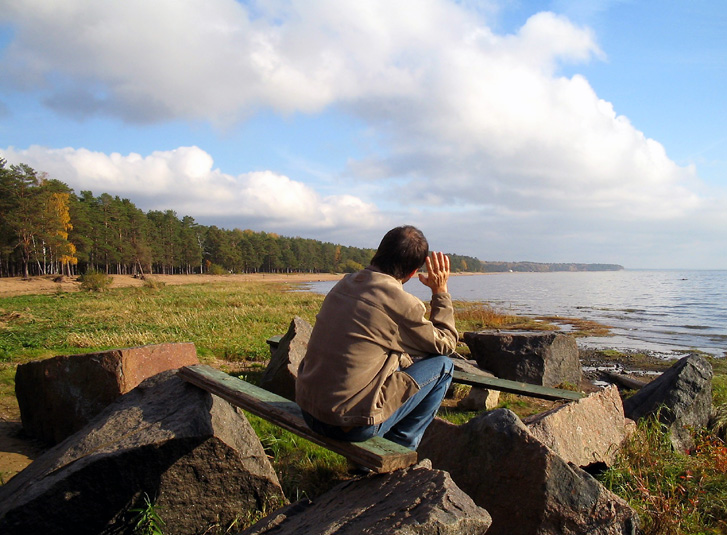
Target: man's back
x: 366, y: 330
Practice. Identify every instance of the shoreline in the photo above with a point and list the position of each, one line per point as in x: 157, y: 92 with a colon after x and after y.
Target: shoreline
x: 45, y: 284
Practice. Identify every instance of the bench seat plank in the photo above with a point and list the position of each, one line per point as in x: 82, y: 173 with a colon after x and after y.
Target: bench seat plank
x: 515, y: 387
x: 377, y: 454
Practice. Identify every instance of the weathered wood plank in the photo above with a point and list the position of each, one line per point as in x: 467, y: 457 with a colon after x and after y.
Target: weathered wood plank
x: 274, y: 341
x: 515, y: 387
x: 624, y: 380
x: 377, y: 454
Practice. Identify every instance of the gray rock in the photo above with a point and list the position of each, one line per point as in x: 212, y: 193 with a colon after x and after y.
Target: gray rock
x: 194, y: 455
x: 547, y: 359
x: 282, y: 371
x: 525, y: 486
x: 60, y: 395
x: 681, y: 396
x: 418, y: 501
x: 477, y: 398
x: 584, y: 432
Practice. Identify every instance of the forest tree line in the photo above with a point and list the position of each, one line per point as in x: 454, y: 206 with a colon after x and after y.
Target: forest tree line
x: 45, y: 229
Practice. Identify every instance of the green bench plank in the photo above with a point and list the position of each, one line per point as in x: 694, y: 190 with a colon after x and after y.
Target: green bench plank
x: 377, y: 454
x: 274, y: 341
x: 515, y: 387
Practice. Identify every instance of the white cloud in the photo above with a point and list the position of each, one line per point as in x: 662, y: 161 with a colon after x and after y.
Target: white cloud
x: 468, y: 117
x: 218, y: 59
x: 184, y: 180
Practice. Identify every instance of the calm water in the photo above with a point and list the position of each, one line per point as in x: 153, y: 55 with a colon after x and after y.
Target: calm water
x: 663, y: 312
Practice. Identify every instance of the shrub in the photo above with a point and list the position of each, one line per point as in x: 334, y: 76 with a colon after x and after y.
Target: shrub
x: 153, y: 284
x: 95, y: 281
x: 350, y: 266
x: 216, y: 269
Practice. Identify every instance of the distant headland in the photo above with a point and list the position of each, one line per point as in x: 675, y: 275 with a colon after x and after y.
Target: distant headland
x: 489, y: 267
x: 471, y: 264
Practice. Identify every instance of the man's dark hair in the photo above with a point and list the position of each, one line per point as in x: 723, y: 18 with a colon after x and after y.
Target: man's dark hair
x: 401, y: 251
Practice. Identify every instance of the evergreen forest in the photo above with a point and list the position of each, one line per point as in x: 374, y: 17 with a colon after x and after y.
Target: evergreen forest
x: 47, y: 229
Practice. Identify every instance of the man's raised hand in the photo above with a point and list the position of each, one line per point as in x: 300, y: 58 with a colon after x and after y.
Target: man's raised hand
x: 437, y: 273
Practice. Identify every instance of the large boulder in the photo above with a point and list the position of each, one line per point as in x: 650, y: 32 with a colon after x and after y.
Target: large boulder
x: 418, y: 501
x: 526, y: 487
x: 547, y: 359
x: 192, y: 453
x: 584, y: 432
x: 681, y: 397
x: 60, y: 395
x: 282, y: 371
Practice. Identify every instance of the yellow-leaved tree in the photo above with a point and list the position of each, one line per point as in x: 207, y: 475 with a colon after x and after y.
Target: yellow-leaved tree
x: 58, y: 224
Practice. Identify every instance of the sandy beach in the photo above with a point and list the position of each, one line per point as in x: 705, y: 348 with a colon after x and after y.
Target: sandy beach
x: 12, y: 286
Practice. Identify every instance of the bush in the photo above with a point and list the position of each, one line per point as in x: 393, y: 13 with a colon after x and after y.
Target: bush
x: 153, y: 284
x: 349, y: 266
x: 95, y: 281
x: 216, y: 269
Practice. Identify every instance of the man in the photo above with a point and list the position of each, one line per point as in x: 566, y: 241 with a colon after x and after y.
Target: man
x: 357, y: 379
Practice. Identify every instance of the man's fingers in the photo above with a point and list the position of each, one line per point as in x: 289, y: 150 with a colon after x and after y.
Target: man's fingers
x: 437, y: 261
x: 433, y: 261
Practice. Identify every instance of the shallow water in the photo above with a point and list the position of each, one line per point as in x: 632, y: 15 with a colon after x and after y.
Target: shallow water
x: 664, y: 312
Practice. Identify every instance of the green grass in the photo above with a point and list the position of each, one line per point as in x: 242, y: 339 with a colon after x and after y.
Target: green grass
x: 303, y: 468
x: 674, y: 494
x: 148, y: 521
x: 228, y: 321
x: 456, y: 416
x: 719, y: 390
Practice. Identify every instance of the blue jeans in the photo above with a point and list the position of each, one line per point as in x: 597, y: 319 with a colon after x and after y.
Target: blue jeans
x: 407, y: 424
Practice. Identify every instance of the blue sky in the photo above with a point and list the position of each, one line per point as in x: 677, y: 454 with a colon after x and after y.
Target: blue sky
x: 563, y: 131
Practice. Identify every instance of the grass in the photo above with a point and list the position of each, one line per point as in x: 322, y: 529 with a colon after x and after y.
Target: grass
x: 227, y: 321
x: 474, y: 316
x: 673, y: 493
x: 719, y: 390
x: 305, y: 470
x: 579, y: 327
x: 148, y: 521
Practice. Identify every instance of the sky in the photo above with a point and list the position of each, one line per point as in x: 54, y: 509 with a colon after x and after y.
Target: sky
x: 552, y: 131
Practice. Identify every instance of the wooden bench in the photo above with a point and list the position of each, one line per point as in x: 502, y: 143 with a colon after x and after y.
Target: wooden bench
x: 377, y: 454
x: 493, y: 383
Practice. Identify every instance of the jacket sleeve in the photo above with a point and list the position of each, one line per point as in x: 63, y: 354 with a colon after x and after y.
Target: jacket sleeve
x: 435, y: 336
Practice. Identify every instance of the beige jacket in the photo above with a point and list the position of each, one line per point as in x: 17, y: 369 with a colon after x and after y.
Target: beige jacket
x: 367, y: 331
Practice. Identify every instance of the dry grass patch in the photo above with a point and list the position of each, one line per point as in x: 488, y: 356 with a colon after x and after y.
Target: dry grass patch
x: 580, y: 327
x: 475, y: 316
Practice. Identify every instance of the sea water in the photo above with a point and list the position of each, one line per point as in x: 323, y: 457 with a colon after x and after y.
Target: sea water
x: 663, y: 312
